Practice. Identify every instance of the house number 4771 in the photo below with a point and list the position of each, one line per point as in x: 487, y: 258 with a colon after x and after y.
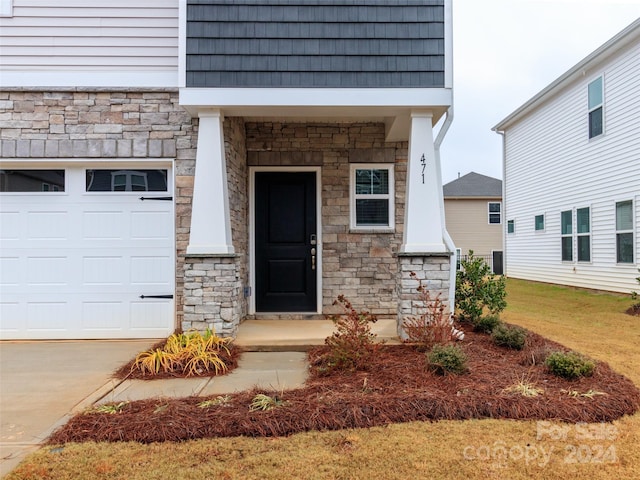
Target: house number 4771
x: 423, y: 162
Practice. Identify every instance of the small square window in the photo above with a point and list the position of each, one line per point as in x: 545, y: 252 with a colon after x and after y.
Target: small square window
x: 539, y: 222
x: 372, y: 196
x: 511, y: 226
x: 495, y: 215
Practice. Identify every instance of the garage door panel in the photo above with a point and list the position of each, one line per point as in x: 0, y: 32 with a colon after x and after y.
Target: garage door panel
x: 11, y: 316
x: 152, y: 270
x: 101, y: 225
x: 146, y: 225
x: 48, y: 315
x: 104, y: 315
x: 146, y: 314
x: 103, y: 270
x: 12, y: 226
x: 49, y: 225
x: 49, y: 270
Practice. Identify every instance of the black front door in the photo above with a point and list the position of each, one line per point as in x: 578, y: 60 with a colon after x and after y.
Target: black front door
x: 286, y: 250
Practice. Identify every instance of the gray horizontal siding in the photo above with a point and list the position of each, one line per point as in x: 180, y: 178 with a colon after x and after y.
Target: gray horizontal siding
x: 339, y: 43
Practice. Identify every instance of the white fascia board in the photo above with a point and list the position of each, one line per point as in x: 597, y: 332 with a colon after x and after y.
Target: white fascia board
x: 448, y: 44
x: 97, y: 78
x: 604, y: 52
x: 254, y: 100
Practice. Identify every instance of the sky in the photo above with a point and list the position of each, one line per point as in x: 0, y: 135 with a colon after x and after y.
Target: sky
x: 505, y: 52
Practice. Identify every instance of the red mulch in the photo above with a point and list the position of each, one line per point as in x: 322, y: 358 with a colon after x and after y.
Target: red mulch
x: 397, y: 387
x: 634, y: 310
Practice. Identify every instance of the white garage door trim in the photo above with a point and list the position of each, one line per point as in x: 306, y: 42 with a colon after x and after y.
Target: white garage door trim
x: 76, y: 264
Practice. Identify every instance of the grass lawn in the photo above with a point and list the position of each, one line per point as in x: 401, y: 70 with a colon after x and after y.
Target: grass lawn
x: 591, y: 323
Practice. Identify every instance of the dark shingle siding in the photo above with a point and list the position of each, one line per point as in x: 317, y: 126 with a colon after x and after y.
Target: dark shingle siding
x: 315, y: 43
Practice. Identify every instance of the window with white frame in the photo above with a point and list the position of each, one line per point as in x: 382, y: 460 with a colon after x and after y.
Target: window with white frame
x: 372, y: 196
x: 495, y: 212
x: 596, y: 107
x: 566, y: 235
x: 539, y: 223
x: 511, y: 226
x: 583, y: 231
x: 624, y: 231
x: 6, y: 8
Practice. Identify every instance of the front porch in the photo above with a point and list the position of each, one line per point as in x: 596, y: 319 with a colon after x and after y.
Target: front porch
x: 299, y: 335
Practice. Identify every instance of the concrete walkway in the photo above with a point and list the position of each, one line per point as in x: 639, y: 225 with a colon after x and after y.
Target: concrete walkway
x: 43, y: 384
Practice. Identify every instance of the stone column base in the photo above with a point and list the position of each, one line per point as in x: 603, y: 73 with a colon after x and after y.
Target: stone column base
x: 433, y: 270
x: 213, y: 294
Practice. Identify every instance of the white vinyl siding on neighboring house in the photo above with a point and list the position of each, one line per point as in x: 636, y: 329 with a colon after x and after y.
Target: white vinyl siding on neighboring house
x: 74, y: 43
x: 551, y: 168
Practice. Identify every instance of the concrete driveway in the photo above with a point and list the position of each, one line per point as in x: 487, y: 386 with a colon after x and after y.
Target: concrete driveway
x: 42, y: 383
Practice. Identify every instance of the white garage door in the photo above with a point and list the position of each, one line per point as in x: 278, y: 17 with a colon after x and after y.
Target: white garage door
x: 82, y: 256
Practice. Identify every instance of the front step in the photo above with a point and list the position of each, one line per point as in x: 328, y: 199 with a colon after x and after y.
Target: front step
x: 298, y: 335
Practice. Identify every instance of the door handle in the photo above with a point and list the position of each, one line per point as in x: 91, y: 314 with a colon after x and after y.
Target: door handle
x: 313, y: 259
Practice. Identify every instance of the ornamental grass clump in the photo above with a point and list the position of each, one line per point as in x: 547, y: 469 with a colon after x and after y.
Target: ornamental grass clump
x: 447, y: 359
x: 570, y: 365
x: 189, y: 353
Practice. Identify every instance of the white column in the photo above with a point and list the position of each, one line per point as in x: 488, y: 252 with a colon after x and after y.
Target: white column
x: 210, y: 219
x: 423, y: 213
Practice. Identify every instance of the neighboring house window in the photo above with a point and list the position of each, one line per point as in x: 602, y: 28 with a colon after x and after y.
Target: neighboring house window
x: 458, y: 258
x: 596, y: 108
x: 566, y: 232
x: 372, y: 196
x: 495, y: 215
x: 6, y: 8
x: 511, y: 226
x: 539, y: 222
x: 624, y: 232
x: 583, y: 229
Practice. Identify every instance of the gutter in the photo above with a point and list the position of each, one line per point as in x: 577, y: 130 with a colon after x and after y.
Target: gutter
x: 448, y: 241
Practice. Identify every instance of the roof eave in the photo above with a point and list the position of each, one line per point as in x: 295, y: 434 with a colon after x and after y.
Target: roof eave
x: 621, y: 40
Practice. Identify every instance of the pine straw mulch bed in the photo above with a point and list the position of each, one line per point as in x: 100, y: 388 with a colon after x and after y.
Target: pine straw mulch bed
x: 397, y: 387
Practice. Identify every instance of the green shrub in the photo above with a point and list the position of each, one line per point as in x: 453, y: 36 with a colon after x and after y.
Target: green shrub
x: 487, y: 323
x: 351, y: 346
x: 569, y: 365
x: 478, y: 289
x: 509, y: 336
x: 444, y: 359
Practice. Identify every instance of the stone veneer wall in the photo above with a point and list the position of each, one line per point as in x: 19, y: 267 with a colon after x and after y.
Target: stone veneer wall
x: 359, y: 264
x: 433, y: 271
x: 106, y: 125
